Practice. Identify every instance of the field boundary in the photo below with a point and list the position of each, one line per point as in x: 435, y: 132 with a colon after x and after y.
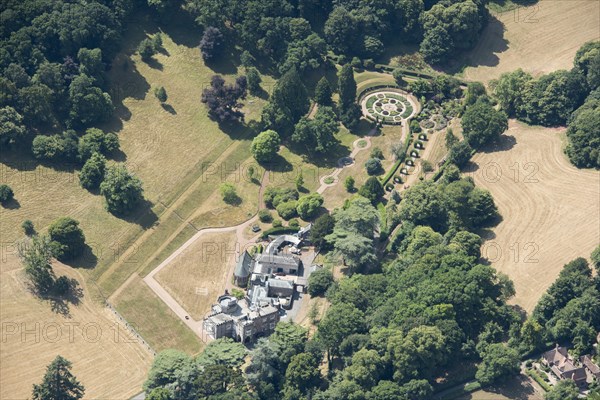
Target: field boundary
x: 130, y: 328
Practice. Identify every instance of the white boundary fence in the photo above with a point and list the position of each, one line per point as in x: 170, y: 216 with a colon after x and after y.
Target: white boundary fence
x: 131, y: 329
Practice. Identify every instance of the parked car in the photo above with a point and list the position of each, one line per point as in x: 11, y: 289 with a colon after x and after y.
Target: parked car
x: 255, y: 228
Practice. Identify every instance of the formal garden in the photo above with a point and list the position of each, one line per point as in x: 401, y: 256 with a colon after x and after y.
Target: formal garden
x: 387, y: 106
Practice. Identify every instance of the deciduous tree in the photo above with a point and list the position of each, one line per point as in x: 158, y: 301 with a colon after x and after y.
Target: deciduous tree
x: 67, y: 238
x: 265, y: 146
x: 121, y: 189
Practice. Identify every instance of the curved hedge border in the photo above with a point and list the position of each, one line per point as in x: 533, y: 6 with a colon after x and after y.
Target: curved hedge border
x: 374, y: 88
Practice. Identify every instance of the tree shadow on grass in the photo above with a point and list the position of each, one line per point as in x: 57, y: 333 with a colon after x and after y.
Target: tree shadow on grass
x: 517, y: 388
x: 12, y: 204
x: 261, y: 94
x: 168, y: 108
x: 278, y: 164
x: 182, y: 29
x: 119, y: 155
x: 329, y: 159
x: 223, y: 63
x: 87, y: 259
x: 143, y: 215
x: 363, y: 128
x: 237, y: 130
x: 22, y: 160
x: 503, y: 143
x: 485, y: 53
x: 59, y: 304
x: 126, y: 83
x: 234, y: 201
x: 154, y: 63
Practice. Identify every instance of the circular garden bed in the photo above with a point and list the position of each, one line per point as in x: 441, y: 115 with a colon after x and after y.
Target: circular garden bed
x: 387, y: 107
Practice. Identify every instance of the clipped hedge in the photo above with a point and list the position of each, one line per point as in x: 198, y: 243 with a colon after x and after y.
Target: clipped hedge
x: 279, y: 231
x: 536, y: 377
x: 386, y: 178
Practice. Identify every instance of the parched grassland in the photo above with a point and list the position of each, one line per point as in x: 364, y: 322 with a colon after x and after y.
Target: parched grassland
x: 549, y: 208
x: 336, y: 194
x: 154, y: 320
x: 169, y: 149
x: 198, y: 275
x: 540, y: 38
x: 519, y: 387
x: 181, y: 155
x: 107, y: 359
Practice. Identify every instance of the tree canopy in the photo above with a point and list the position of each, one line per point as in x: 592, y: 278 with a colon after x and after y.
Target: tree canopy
x: 67, y: 238
x: 265, y: 146
x: 288, y: 103
x: 482, y: 124
x: 222, y: 99
x: 121, y: 189
x: 58, y: 383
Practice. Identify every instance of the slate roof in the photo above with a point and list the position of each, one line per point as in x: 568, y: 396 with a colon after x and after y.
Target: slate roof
x: 244, y: 265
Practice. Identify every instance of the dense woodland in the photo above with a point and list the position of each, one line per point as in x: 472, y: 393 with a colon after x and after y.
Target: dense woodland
x: 418, y: 307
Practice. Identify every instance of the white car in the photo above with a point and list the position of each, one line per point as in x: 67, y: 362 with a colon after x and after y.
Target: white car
x: 295, y: 250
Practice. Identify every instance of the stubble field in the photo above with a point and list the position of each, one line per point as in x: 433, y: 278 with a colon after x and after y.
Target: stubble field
x: 539, y: 38
x: 550, y: 209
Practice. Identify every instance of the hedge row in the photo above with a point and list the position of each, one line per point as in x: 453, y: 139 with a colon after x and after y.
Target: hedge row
x: 536, y: 377
x: 386, y: 178
x: 460, y: 391
x: 278, y: 231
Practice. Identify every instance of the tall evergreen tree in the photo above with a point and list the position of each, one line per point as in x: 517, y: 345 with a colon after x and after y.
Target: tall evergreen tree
x: 288, y: 103
x: 291, y: 92
x: 323, y: 92
x: 347, y: 87
x: 58, y: 383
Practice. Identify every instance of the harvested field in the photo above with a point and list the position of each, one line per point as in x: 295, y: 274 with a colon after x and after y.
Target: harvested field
x: 539, y: 39
x: 550, y: 209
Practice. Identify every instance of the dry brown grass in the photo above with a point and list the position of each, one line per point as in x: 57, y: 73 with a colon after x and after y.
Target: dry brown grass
x: 198, y: 275
x: 550, y: 209
x: 539, y: 39
x: 336, y: 194
x: 154, y: 320
x: 107, y: 360
x: 519, y: 387
x: 166, y: 149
